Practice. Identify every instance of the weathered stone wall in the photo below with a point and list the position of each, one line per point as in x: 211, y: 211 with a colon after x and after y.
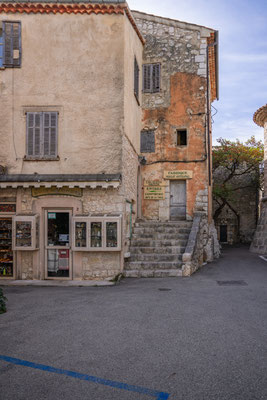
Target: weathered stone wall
x: 180, y: 48
x: 259, y: 243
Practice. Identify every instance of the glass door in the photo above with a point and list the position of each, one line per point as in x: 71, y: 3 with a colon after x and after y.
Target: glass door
x: 57, y: 247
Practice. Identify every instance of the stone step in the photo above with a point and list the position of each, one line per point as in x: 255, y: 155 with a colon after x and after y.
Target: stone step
x: 169, y: 224
x: 157, y: 250
x: 140, y: 230
x: 151, y: 273
x: 156, y: 257
x: 156, y: 265
x: 160, y: 236
x: 157, y: 243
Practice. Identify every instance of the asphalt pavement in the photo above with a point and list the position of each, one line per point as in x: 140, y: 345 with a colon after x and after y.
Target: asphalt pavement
x: 197, y: 338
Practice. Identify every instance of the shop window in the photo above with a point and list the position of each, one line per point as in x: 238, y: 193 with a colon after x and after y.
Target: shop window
x: 25, y: 232
x: 147, y: 144
x: 6, y: 253
x: 151, y: 78
x: 97, y: 233
x: 42, y: 135
x: 181, y: 137
x: 10, y: 44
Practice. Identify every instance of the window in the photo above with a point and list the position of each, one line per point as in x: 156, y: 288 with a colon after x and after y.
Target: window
x: 147, y: 142
x: 10, y: 44
x: 181, y: 137
x: 42, y: 134
x: 151, y: 78
x: 136, y: 79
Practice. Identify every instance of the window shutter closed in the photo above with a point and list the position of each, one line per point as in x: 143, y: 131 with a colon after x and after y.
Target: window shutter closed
x: 12, y: 44
x: 146, y: 78
x: 136, y: 78
x: 156, y: 77
x: 33, y: 134
x: 50, y: 133
x: 147, y: 142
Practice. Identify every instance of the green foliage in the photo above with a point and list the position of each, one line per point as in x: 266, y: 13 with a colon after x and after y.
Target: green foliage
x: 2, y: 302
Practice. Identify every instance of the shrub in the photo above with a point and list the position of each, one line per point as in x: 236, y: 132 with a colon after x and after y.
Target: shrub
x: 2, y: 302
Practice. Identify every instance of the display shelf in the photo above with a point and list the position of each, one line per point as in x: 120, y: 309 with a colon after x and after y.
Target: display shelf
x: 25, y: 232
x: 6, y: 253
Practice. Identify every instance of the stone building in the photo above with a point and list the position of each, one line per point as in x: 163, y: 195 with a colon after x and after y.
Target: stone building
x: 259, y: 243
x: 73, y: 177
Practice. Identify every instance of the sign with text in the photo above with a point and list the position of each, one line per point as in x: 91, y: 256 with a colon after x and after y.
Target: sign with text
x: 63, y: 191
x: 182, y: 174
x: 155, y: 183
x: 154, y: 193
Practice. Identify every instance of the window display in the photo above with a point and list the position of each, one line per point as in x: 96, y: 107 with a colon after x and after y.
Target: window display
x: 96, y: 234
x: 80, y: 234
x: 26, y: 232
x: 111, y: 234
x: 6, y: 253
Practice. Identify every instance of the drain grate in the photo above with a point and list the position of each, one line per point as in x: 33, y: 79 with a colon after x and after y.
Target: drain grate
x: 164, y: 289
x: 232, y: 283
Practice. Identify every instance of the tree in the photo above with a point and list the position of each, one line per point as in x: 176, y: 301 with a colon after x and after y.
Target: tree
x: 236, y: 166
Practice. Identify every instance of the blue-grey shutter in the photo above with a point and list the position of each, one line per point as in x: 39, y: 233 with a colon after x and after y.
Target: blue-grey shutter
x: 156, y: 77
x: 147, y: 77
x: 136, y: 78
x: 12, y: 44
x: 33, y: 134
x: 50, y: 133
x: 147, y: 142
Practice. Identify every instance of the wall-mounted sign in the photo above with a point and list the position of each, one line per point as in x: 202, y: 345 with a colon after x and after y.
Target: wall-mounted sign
x: 182, y: 174
x: 155, y: 183
x: 51, y: 215
x: 154, y: 193
x: 63, y: 191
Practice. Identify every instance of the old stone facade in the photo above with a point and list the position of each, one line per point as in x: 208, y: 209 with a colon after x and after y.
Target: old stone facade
x: 259, y: 243
x: 73, y: 178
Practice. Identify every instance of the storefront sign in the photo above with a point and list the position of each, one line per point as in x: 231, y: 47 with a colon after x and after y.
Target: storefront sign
x: 155, y: 183
x: 178, y: 174
x: 154, y: 193
x: 51, y: 215
x: 64, y: 191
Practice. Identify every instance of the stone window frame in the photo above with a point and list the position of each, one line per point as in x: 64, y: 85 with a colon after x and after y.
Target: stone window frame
x: 181, y: 129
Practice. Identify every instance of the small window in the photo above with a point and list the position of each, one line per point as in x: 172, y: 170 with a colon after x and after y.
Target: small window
x: 10, y: 44
x: 42, y: 132
x: 181, y: 137
x: 136, y: 79
x: 147, y: 142
x: 151, y: 78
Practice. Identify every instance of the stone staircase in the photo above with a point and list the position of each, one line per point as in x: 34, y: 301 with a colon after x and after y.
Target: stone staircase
x: 157, y: 248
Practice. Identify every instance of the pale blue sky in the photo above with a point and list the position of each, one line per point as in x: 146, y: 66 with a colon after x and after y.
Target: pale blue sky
x: 242, y: 26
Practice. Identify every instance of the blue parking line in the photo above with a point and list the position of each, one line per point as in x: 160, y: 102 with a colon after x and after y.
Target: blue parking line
x: 84, y: 377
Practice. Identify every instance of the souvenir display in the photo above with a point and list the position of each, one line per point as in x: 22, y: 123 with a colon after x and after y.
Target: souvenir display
x: 80, y: 234
x: 6, y: 253
x: 25, y: 232
x: 111, y: 234
x: 96, y: 234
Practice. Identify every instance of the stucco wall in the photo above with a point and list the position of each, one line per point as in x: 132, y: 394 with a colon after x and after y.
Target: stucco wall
x: 72, y: 64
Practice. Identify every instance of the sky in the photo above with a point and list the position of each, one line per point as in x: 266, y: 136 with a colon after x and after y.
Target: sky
x: 242, y: 26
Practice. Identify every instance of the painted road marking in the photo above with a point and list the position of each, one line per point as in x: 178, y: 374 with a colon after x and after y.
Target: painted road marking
x: 84, y: 377
x: 263, y: 258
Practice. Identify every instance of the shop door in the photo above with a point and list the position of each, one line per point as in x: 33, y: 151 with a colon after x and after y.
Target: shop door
x: 57, y: 246
x: 223, y: 233
x: 178, y: 200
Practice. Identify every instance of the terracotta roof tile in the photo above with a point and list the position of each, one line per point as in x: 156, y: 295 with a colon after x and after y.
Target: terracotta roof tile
x: 70, y: 9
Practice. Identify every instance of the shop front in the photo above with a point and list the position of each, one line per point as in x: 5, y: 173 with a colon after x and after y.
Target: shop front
x: 51, y: 234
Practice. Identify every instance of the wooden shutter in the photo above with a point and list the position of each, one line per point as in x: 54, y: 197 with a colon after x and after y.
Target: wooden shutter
x: 50, y: 133
x: 155, y: 77
x: 147, y: 142
x: 12, y: 44
x: 136, y: 78
x: 33, y: 134
x: 147, y: 77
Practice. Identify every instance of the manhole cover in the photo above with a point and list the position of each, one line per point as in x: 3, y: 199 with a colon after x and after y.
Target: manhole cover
x: 164, y: 289
x: 232, y: 283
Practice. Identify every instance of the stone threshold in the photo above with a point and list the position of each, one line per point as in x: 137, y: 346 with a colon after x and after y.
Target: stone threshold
x: 56, y: 283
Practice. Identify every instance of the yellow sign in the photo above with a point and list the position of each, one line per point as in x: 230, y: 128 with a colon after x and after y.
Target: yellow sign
x: 178, y: 174
x: 155, y: 183
x: 64, y: 191
x: 154, y: 193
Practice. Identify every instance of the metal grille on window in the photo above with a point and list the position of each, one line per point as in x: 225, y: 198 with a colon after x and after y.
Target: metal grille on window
x: 147, y: 142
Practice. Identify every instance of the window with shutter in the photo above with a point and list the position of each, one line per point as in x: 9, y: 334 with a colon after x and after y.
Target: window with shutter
x: 151, y: 78
x: 136, y: 79
x: 11, y: 39
x: 147, y: 142
x: 1, y: 46
x: 42, y: 135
